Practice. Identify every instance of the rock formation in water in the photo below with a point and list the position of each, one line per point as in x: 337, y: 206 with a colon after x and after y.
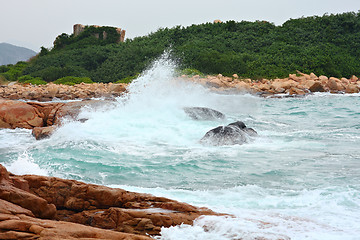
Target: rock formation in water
x: 203, y: 113
x: 39, y: 207
x: 234, y: 133
x: 41, y: 117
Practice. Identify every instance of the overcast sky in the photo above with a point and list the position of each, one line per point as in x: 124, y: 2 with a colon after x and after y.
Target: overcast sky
x: 36, y: 23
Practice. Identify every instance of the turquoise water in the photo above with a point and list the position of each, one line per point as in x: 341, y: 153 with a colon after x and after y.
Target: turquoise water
x: 300, y: 179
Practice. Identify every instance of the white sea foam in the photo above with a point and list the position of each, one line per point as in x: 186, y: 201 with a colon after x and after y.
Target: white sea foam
x: 269, y: 213
x: 24, y: 164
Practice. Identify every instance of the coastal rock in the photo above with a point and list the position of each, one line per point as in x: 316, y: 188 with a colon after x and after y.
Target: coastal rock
x: 43, y: 118
x: 203, y: 113
x: 234, y: 133
x: 43, y: 132
x: 78, y: 210
x: 314, y: 86
x: 50, y: 91
x: 351, y: 89
x: 15, y: 114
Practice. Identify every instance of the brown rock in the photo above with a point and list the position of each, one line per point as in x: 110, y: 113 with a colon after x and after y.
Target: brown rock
x: 323, y: 78
x: 314, y: 86
x: 313, y: 76
x: 242, y: 86
x: 332, y: 84
x: 43, y: 132
x: 125, y: 213
x: 345, y: 81
x: 354, y: 78
x: 15, y: 114
x: 38, y: 206
x: 295, y: 91
x: 117, y: 88
x: 351, y: 88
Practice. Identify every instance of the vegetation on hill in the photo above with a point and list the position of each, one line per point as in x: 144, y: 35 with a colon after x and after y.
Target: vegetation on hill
x: 327, y: 45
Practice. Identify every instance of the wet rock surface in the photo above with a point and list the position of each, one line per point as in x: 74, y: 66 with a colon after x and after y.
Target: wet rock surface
x: 203, y: 113
x: 234, y: 133
x: 39, y: 207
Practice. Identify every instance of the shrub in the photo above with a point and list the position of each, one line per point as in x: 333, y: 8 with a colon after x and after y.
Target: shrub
x: 25, y: 78
x: 36, y: 81
x: 191, y: 72
x: 70, y: 80
x: 14, y: 71
x: 128, y: 79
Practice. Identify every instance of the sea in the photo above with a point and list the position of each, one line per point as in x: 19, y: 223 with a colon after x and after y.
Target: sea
x: 299, y: 179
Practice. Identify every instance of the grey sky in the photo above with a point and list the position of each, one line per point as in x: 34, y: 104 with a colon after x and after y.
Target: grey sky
x: 36, y: 23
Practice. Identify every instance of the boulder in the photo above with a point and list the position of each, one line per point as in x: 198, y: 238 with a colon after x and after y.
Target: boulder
x: 313, y: 76
x: 16, y: 114
x: 42, y: 117
x: 351, y: 88
x: 323, y: 78
x: 43, y: 132
x: 314, y: 86
x: 242, y: 86
x: 354, y: 78
x: 79, y: 210
x: 234, y: 133
x: 203, y: 113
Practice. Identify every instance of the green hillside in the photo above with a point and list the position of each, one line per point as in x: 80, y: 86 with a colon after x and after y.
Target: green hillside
x: 327, y: 45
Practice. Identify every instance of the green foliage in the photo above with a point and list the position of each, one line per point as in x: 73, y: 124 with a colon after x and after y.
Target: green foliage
x: 4, y: 68
x: 327, y: 45
x: 71, y: 80
x: 12, y: 72
x: 36, y: 81
x: 44, y: 51
x: 190, y: 72
x: 31, y: 80
x: 128, y: 79
x: 25, y: 78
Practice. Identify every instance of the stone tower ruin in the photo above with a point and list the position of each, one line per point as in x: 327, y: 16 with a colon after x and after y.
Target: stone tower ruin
x: 79, y: 28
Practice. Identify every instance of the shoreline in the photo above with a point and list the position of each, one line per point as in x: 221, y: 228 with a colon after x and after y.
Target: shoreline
x: 299, y: 84
x: 40, y: 207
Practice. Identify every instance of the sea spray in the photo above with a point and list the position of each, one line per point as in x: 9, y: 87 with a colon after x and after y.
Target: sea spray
x: 299, y: 179
x: 25, y: 165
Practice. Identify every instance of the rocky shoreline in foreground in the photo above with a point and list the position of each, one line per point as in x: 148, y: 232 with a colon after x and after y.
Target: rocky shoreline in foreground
x: 40, y: 207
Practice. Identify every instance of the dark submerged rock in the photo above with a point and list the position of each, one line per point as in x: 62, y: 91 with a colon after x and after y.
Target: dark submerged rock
x: 234, y: 133
x: 203, y: 113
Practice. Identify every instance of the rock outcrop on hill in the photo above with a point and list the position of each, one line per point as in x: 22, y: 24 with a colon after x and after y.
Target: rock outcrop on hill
x: 38, y: 207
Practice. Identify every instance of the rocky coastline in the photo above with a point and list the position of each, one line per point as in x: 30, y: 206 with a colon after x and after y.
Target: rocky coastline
x: 39, y: 207
x: 295, y: 85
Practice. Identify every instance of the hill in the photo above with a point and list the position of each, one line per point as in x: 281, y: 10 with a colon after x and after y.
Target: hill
x: 10, y: 54
x: 325, y: 45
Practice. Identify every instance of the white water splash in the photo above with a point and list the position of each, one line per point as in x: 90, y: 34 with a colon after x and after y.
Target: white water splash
x: 25, y: 165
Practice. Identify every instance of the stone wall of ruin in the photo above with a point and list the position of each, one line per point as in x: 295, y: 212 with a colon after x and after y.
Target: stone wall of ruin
x: 79, y: 28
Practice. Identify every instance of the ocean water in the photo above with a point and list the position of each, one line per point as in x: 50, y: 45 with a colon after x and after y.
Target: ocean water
x: 300, y: 178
